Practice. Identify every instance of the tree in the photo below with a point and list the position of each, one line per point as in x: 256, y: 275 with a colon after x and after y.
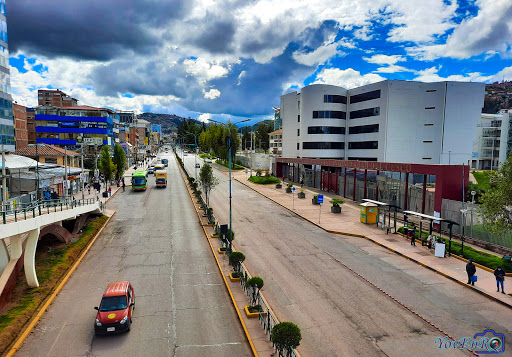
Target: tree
x: 236, y: 259
x: 207, y: 181
x: 107, y: 168
x: 119, y: 160
x: 255, y: 284
x: 246, y: 139
x: 497, y: 201
x: 262, y: 139
x: 285, y: 335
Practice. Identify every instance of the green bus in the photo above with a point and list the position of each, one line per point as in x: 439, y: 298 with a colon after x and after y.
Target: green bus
x: 140, y: 180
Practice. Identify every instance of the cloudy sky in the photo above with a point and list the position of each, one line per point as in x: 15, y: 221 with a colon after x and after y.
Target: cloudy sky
x: 233, y: 59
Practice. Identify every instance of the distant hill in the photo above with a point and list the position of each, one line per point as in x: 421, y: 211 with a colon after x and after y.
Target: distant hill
x: 169, y: 122
x: 497, y: 96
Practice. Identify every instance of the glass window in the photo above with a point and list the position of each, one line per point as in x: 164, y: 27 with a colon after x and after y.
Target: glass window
x: 332, y: 114
x: 363, y: 129
x: 363, y: 145
x: 298, y: 132
x: 363, y: 113
x: 326, y: 130
x: 323, y: 145
x: 365, y: 96
x: 333, y: 98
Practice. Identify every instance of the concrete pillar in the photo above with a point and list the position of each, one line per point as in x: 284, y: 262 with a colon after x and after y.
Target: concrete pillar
x: 16, y: 246
x: 30, y: 258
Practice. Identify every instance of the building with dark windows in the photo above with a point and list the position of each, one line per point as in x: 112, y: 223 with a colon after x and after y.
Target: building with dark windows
x: 31, y: 125
x: 55, y: 98
x: 62, y: 126
x: 6, y: 115
x: 20, y: 125
x: 388, y: 121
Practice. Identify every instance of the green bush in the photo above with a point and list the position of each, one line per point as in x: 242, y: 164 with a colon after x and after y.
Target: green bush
x: 255, y: 282
x: 285, y: 335
x: 233, y: 166
x: 264, y: 180
x: 487, y: 260
x: 290, y: 185
x: 336, y: 202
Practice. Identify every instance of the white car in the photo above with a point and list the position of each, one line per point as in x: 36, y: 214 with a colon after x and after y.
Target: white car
x: 207, y: 161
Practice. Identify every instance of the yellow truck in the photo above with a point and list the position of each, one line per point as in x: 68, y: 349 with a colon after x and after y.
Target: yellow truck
x: 161, y: 178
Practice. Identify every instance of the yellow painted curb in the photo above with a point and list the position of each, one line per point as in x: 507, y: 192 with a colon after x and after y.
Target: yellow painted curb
x: 252, y: 314
x: 19, y: 342
x: 221, y: 251
x: 233, y: 279
x: 253, y: 349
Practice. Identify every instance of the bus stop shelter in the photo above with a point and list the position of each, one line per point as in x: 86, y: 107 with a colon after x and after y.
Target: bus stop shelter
x: 439, y: 220
x: 385, y: 205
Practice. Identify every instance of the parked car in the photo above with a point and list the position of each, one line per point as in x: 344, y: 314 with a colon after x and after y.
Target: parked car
x: 207, y: 161
x: 116, y: 309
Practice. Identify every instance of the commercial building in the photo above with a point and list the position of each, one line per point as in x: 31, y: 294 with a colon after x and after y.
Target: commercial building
x: 62, y: 126
x: 55, y: 98
x: 388, y: 121
x: 493, y: 142
x: 276, y: 142
x: 20, y: 125
x: 50, y: 154
x: 31, y: 125
x: 126, y: 117
x: 6, y: 116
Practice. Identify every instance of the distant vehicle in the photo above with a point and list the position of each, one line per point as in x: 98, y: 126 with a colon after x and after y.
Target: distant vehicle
x: 116, y: 309
x: 165, y: 162
x: 198, y: 166
x: 161, y: 178
x: 139, y: 180
x: 159, y: 167
x: 151, y: 170
x: 208, y: 161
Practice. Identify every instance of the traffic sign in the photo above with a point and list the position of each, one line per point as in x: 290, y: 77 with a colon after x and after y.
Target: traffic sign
x: 320, y: 199
x: 293, y: 188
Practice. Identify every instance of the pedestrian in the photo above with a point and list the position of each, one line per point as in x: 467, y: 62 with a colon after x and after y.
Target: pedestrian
x: 89, y: 189
x: 301, y: 181
x: 471, y: 270
x: 109, y: 191
x: 429, y: 242
x: 406, y: 219
x: 499, y: 273
x: 413, y: 238
x: 123, y: 185
x: 283, y: 180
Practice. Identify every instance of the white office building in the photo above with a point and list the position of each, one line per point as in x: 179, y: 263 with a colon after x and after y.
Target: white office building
x: 389, y: 121
x: 493, y: 142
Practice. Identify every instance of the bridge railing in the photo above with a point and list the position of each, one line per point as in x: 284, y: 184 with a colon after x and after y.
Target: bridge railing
x: 22, y: 211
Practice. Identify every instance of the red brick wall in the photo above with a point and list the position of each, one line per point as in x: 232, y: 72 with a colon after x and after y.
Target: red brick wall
x: 20, y: 125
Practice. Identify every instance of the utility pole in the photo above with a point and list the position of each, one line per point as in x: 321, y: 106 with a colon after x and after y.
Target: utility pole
x: 4, y: 178
x: 65, y: 172
x: 37, y: 173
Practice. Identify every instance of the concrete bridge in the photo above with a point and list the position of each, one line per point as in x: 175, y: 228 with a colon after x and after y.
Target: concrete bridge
x: 21, y: 228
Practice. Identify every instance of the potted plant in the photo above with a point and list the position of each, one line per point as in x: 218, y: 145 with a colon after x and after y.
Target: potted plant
x: 314, y: 200
x: 285, y: 335
x: 336, y: 202
x: 254, y: 311
x: 289, y: 187
x: 236, y: 259
x: 301, y: 194
x: 253, y: 285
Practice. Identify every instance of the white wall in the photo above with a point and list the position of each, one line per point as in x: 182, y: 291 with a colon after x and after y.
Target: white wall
x: 464, y: 103
x: 289, y: 112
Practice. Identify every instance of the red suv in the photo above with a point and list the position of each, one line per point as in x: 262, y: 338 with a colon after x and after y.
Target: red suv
x: 116, y: 309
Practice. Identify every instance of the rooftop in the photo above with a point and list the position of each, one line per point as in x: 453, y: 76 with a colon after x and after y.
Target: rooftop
x: 44, y: 150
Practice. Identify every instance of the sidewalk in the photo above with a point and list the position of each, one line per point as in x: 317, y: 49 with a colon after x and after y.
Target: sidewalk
x: 348, y: 223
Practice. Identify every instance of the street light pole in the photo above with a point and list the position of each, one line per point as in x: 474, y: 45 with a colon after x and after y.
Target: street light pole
x: 195, y: 150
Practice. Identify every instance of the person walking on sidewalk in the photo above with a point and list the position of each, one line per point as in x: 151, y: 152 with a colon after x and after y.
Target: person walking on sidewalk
x: 301, y: 181
x: 499, y: 273
x: 429, y: 242
x: 471, y: 270
x: 413, y: 238
x: 123, y: 184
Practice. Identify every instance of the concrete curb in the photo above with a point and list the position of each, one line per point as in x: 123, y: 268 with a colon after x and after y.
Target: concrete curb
x: 390, y: 249
x: 35, y: 319
x: 249, y: 339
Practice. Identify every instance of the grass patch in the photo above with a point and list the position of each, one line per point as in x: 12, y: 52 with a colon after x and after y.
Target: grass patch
x: 51, y: 266
x: 263, y: 180
x: 206, y: 156
x: 483, y: 179
x: 490, y: 261
x: 233, y: 166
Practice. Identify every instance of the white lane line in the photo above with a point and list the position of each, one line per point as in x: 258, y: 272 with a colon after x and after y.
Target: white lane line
x: 54, y: 342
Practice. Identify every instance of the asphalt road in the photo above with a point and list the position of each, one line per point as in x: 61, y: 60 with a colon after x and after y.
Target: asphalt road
x: 339, y: 313
x: 182, y: 306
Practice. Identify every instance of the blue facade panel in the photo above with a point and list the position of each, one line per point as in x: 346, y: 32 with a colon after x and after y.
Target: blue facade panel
x: 52, y: 129
x: 53, y: 141
x: 65, y: 118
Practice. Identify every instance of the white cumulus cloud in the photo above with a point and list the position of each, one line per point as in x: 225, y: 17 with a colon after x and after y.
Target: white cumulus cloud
x: 346, y: 78
x: 212, y: 94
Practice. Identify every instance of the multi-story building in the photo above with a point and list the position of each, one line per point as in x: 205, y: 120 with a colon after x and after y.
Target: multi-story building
x: 62, y: 126
x: 276, y: 142
x: 126, y: 117
x: 55, y: 98
x: 20, y: 125
x: 50, y: 154
x: 6, y: 117
x: 493, y: 142
x: 278, y: 123
x: 389, y: 121
x: 31, y: 125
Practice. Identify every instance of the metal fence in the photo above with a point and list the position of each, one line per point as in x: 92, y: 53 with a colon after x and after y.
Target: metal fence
x: 25, y: 211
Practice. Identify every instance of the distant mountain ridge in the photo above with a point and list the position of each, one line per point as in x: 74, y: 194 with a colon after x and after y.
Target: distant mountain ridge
x: 169, y: 122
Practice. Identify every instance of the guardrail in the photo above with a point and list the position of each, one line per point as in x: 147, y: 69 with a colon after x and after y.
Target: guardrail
x: 22, y: 211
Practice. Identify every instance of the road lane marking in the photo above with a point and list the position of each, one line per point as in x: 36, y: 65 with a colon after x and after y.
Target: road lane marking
x: 54, y: 342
